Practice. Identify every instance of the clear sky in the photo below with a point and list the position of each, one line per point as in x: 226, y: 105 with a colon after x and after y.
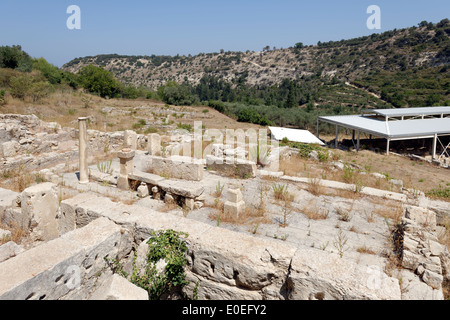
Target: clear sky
x: 138, y: 27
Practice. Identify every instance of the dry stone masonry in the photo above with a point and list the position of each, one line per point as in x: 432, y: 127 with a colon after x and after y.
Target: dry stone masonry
x: 73, y: 239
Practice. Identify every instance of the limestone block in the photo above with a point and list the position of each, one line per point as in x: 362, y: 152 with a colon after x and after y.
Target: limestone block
x: 414, y: 289
x: 234, y: 195
x: 234, y: 209
x: 182, y: 188
x: 63, y: 268
x: 9, y: 250
x: 421, y: 216
x: 130, y: 140
x: 119, y: 288
x: 177, y: 167
x: 6, y: 199
x: 168, y: 198
x: 40, y: 204
x: 436, y: 248
x: 10, y: 148
x: 433, y: 279
x: 189, y: 203
x: 240, y: 168
x: 143, y: 191
x: 410, y: 260
x: 319, y: 275
x: 154, y: 144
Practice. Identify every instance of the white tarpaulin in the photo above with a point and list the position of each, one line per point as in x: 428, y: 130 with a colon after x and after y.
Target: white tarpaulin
x: 294, y: 135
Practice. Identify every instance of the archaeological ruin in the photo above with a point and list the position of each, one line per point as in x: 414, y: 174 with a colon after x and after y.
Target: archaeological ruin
x: 83, y: 228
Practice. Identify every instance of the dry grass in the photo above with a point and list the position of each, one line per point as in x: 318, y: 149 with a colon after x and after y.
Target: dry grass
x: 169, y: 206
x: 18, y: 235
x: 17, y: 179
x: 314, y: 212
x: 249, y: 216
x: 389, y: 210
x: 315, y: 188
x: 365, y: 250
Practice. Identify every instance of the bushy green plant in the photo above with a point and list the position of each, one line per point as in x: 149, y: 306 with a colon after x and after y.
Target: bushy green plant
x: 171, y: 247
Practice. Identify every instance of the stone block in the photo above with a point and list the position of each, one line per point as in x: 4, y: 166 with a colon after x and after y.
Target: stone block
x: 143, y: 191
x: 234, y: 195
x: 10, y: 148
x: 119, y: 288
x: 63, y: 268
x: 239, y: 168
x: 177, y: 167
x: 433, y: 279
x: 421, y: 216
x: 130, y: 139
x: 9, y: 250
x: 154, y: 145
x: 234, y: 209
x: 40, y: 204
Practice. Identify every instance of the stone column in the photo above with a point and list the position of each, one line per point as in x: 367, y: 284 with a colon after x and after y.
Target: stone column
x: 154, y: 144
x: 126, y: 167
x: 130, y: 140
x: 235, y: 204
x: 82, y: 150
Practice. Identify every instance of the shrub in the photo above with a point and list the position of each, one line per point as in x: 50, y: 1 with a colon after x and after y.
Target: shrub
x: 99, y: 81
x: 2, y: 97
x: 171, y: 247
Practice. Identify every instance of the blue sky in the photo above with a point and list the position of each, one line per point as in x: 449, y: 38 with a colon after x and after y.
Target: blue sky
x: 138, y: 27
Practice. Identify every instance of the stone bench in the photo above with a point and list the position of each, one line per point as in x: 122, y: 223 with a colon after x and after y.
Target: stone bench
x: 182, y: 192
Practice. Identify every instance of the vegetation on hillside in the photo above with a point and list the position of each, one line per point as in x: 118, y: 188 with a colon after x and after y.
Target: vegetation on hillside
x: 286, y: 87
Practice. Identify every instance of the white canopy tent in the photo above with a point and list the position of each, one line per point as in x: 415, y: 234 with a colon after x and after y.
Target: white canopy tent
x: 396, y: 124
x: 294, y: 135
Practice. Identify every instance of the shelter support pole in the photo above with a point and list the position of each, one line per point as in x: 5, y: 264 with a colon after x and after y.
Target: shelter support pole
x: 358, y: 143
x: 434, y: 146
x: 317, y: 135
x: 387, y: 146
x: 337, y: 135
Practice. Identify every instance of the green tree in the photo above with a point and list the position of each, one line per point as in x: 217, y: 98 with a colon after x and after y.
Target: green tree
x: 14, y: 58
x: 99, y: 81
x: 49, y: 71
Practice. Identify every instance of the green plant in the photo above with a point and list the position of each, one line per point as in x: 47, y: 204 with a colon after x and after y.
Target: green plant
x: 105, y: 167
x: 115, y: 266
x: 169, y: 246
x: 219, y: 190
x: 185, y: 126
x: 2, y: 97
x: 340, y: 243
x: 280, y: 191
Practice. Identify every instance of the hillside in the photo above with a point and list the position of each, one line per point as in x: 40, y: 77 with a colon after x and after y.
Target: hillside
x: 381, y: 64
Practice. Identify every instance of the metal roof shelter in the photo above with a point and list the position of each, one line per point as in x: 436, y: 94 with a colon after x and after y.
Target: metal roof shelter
x: 295, y: 135
x: 397, y: 124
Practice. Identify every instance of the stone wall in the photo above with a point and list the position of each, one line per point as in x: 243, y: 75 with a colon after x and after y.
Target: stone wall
x: 232, y: 265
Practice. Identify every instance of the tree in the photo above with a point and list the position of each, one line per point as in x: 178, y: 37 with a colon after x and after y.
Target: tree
x: 100, y: 81
x: 49, y: 71
x: 299, y: 45
x: 14, y: 58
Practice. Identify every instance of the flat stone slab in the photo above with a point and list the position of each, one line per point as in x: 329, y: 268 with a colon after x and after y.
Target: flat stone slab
x: 6, y: 199
x: 119, y: 288
x: 43, y: 272
x: 9, y: 250
x: 149, y: 178
x: 182, y: 188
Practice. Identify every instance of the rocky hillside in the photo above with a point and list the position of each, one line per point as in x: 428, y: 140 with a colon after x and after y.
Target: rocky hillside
x: 424, y: 47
